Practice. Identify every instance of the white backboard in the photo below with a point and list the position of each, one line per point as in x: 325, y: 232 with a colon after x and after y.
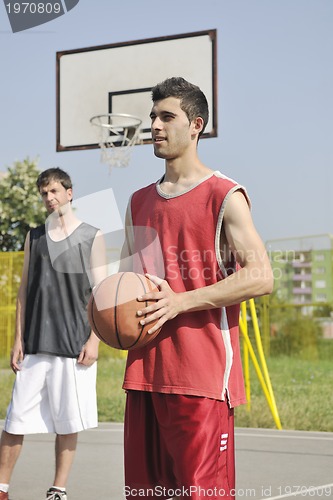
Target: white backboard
x: 118, y: 78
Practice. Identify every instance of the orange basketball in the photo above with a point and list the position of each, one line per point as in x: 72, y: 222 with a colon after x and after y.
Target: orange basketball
x: 112, y: 310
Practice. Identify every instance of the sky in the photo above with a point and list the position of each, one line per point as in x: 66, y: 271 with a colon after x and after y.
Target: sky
x: 275, y: 102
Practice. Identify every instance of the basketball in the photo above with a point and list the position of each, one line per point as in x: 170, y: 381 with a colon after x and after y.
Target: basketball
x: 112, y: 310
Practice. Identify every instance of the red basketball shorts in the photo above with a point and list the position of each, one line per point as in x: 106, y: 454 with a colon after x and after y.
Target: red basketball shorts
x: 178, y: 446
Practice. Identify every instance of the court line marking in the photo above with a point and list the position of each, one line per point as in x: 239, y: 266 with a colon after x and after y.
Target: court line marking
x: 284, y: 436
x: 119, y: 427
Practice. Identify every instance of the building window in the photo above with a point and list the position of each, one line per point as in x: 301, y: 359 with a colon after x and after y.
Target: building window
x: 319, y: 257
x: 320, y: 284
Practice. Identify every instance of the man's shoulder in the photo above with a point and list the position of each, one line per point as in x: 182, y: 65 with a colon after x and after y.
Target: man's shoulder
x: 86, y: 225
x: 221, y: 178
x: 87, y: 229
x: 226, y: 185
x: 144, y: 190
x: 36, y: 232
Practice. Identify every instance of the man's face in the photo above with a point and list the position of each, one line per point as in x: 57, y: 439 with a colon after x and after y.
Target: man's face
x: 171, y: 130
x: 55, y: 196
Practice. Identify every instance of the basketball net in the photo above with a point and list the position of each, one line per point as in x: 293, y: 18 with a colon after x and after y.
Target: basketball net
x: 118, y: 133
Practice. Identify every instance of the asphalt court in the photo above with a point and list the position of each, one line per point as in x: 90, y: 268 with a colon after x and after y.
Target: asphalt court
x: 271, y: 464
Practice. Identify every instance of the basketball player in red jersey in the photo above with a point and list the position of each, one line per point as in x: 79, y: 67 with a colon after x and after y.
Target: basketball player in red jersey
x: 182, y: 388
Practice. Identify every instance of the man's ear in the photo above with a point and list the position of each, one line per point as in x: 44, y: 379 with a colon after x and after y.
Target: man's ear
x: 198, y: 125
x: 70, y: 194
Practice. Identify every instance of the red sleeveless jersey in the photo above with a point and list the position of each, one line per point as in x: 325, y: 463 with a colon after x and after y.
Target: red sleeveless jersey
x: 196, y: 353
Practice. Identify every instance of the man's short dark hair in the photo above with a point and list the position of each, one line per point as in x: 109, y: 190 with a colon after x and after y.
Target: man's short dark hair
x: 192, y: 100
x: 54, y: 174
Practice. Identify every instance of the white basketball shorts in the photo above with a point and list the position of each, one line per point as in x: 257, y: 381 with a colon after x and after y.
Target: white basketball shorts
x: 52, y: 394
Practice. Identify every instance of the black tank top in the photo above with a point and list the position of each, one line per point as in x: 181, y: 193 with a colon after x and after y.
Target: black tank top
x: 59, y: 287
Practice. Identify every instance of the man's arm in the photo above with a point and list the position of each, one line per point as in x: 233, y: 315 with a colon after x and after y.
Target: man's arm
x: 17, y: 353
x: 98, y: 259
x: 254, y: 279
x: 98, y: 265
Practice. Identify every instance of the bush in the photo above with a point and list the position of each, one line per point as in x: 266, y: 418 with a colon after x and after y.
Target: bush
x: 297, y: 337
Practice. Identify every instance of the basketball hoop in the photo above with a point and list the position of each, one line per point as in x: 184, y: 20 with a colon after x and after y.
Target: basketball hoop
x: 118, y: 133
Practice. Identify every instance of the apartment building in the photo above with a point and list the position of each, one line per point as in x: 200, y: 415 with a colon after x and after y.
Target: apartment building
x: 303, y: 271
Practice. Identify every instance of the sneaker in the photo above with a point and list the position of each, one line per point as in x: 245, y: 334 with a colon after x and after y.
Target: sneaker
x: 3, y: 495
x: 53, y: 494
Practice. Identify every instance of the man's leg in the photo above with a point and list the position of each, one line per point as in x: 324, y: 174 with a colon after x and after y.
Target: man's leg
x: 203, y: 452
x: 65, y: 448
x: 10, y: 448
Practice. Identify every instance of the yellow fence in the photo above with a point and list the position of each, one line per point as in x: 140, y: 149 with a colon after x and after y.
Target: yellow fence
x: 10, y: 276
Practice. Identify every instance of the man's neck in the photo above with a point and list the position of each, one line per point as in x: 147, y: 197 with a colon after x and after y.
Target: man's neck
x: 61, y: 224
x: 182, y: 175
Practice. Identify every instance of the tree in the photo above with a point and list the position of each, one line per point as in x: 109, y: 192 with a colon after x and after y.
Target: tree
x: 20, y: 206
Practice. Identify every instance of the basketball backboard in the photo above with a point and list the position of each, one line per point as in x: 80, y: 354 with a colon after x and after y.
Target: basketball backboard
x: 118, y: 78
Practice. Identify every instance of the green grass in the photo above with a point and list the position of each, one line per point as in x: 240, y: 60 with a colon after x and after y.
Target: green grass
x: 303, y: 394
x: 110, y: 395
x: 302, y: 389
